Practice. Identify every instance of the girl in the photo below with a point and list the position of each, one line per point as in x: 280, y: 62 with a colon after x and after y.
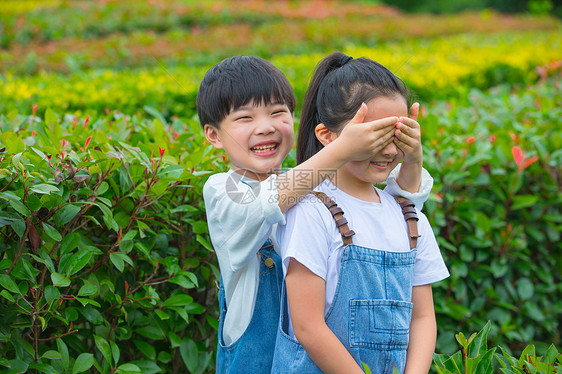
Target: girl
x: 358, y: 288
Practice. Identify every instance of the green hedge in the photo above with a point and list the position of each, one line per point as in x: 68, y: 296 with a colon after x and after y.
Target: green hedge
x: 104, y: 246
x: 105, y: 259
x: 497, y: 212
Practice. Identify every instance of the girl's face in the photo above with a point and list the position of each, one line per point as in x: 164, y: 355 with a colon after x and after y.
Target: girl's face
x: 377, y: 168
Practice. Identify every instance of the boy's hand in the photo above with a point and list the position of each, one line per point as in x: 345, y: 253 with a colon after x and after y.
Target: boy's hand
x: 360, y: 141
x: 408, y: 136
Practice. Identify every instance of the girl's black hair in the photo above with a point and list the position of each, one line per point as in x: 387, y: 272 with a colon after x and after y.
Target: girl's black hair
x: 338, y: 88
x: 235, y: 82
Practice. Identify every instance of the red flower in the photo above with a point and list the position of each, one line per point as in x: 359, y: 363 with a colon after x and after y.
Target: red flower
x: 470, y: 140
x: 492, y: 139
x: 161, y: 151
x: 86, y: 121
x: 35, y: 109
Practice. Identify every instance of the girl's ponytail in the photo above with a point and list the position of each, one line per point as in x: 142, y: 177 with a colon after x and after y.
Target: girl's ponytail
x: 307, y: 144
x: 338, y: 87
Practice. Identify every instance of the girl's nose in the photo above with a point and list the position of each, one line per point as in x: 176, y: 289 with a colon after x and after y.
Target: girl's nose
x: 390, y: 150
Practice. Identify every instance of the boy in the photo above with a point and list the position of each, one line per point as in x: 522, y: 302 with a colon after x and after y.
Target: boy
x: 246, y: 107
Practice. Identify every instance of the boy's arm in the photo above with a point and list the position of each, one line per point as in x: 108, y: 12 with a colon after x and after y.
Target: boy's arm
x: 423, y: 331
x: 306, y: 296
x: 357, y: 141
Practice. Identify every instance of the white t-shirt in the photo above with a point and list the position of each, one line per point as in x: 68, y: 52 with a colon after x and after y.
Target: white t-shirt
x: 311, y: 237
x: 241, y: 214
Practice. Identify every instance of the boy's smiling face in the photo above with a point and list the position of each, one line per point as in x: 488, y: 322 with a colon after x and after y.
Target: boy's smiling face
x: 256, y: 138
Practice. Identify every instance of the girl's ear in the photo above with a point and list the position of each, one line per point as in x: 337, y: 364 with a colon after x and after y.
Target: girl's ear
x: 212, y: 136
x: 324, y: 135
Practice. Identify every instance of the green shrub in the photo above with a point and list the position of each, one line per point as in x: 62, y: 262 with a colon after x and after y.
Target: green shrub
x: 496, y: 212
x: 104, y: 255
x: 475, y: 357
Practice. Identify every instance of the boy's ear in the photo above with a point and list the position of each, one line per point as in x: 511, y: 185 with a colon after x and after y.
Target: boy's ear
x: 324, y: 135
x: 212, y: 136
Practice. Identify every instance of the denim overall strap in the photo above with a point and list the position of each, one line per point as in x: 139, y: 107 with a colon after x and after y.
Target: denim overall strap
x: 370, y: 313
x: 253, y: 351
x: 337, y: 214
x: 411, y: 217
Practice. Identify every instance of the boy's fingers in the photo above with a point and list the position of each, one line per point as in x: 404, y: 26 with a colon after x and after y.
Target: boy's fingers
x: 414, y: 111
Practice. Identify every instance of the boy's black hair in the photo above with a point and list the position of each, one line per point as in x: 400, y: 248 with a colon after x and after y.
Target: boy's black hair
x: 238, y: 80
x: 338, y: 88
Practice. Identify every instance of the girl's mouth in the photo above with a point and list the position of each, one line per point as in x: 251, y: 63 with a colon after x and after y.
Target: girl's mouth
x: 380, y: 165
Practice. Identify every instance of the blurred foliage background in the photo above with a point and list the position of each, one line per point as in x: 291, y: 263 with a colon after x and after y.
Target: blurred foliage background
x: 105, y: 261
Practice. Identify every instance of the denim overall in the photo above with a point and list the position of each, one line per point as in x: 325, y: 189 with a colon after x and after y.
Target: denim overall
x: 370, y: 313
x: 253, y: 351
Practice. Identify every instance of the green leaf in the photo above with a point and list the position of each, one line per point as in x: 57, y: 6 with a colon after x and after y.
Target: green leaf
x: 43, y: 368
x: 33, y: 203
x: 128, y: 368
x: 44, y: 189
x: 551, y: 354
x: 20, y: 208
x: 146, y: 349
x: 161, y: 314
x: 175, y: 340
x: 69, y: 242
x: 52, y: 232
x: 83, y: 362
x: 60, y: 280
x: 148, y: 367
x: 88, y: 290
x: 178, y: 300
x: 19, y: 227
x: 117, y: 261
x: 366, y: 368
x: 486, y: 362
x: 103, y: 346
x: 182, y: 281
x: 63, y: 350
x: 461, y: 339
x: 155, y: 113
x: 85, y: 301
x: 66, y: 214
x: 524, y: 201
x: 51, y: 355
x: 8, y: 296
x: 115, y: 352
x: 78, y: 261
x: 525, y: 288
x: 479, y: 345
x: 189, y: 354
x: 8, y: 283
x: 51, y: 293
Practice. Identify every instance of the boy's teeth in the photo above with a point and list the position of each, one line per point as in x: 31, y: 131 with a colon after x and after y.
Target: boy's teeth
x: 264, y: 148
x: 381, y: 163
